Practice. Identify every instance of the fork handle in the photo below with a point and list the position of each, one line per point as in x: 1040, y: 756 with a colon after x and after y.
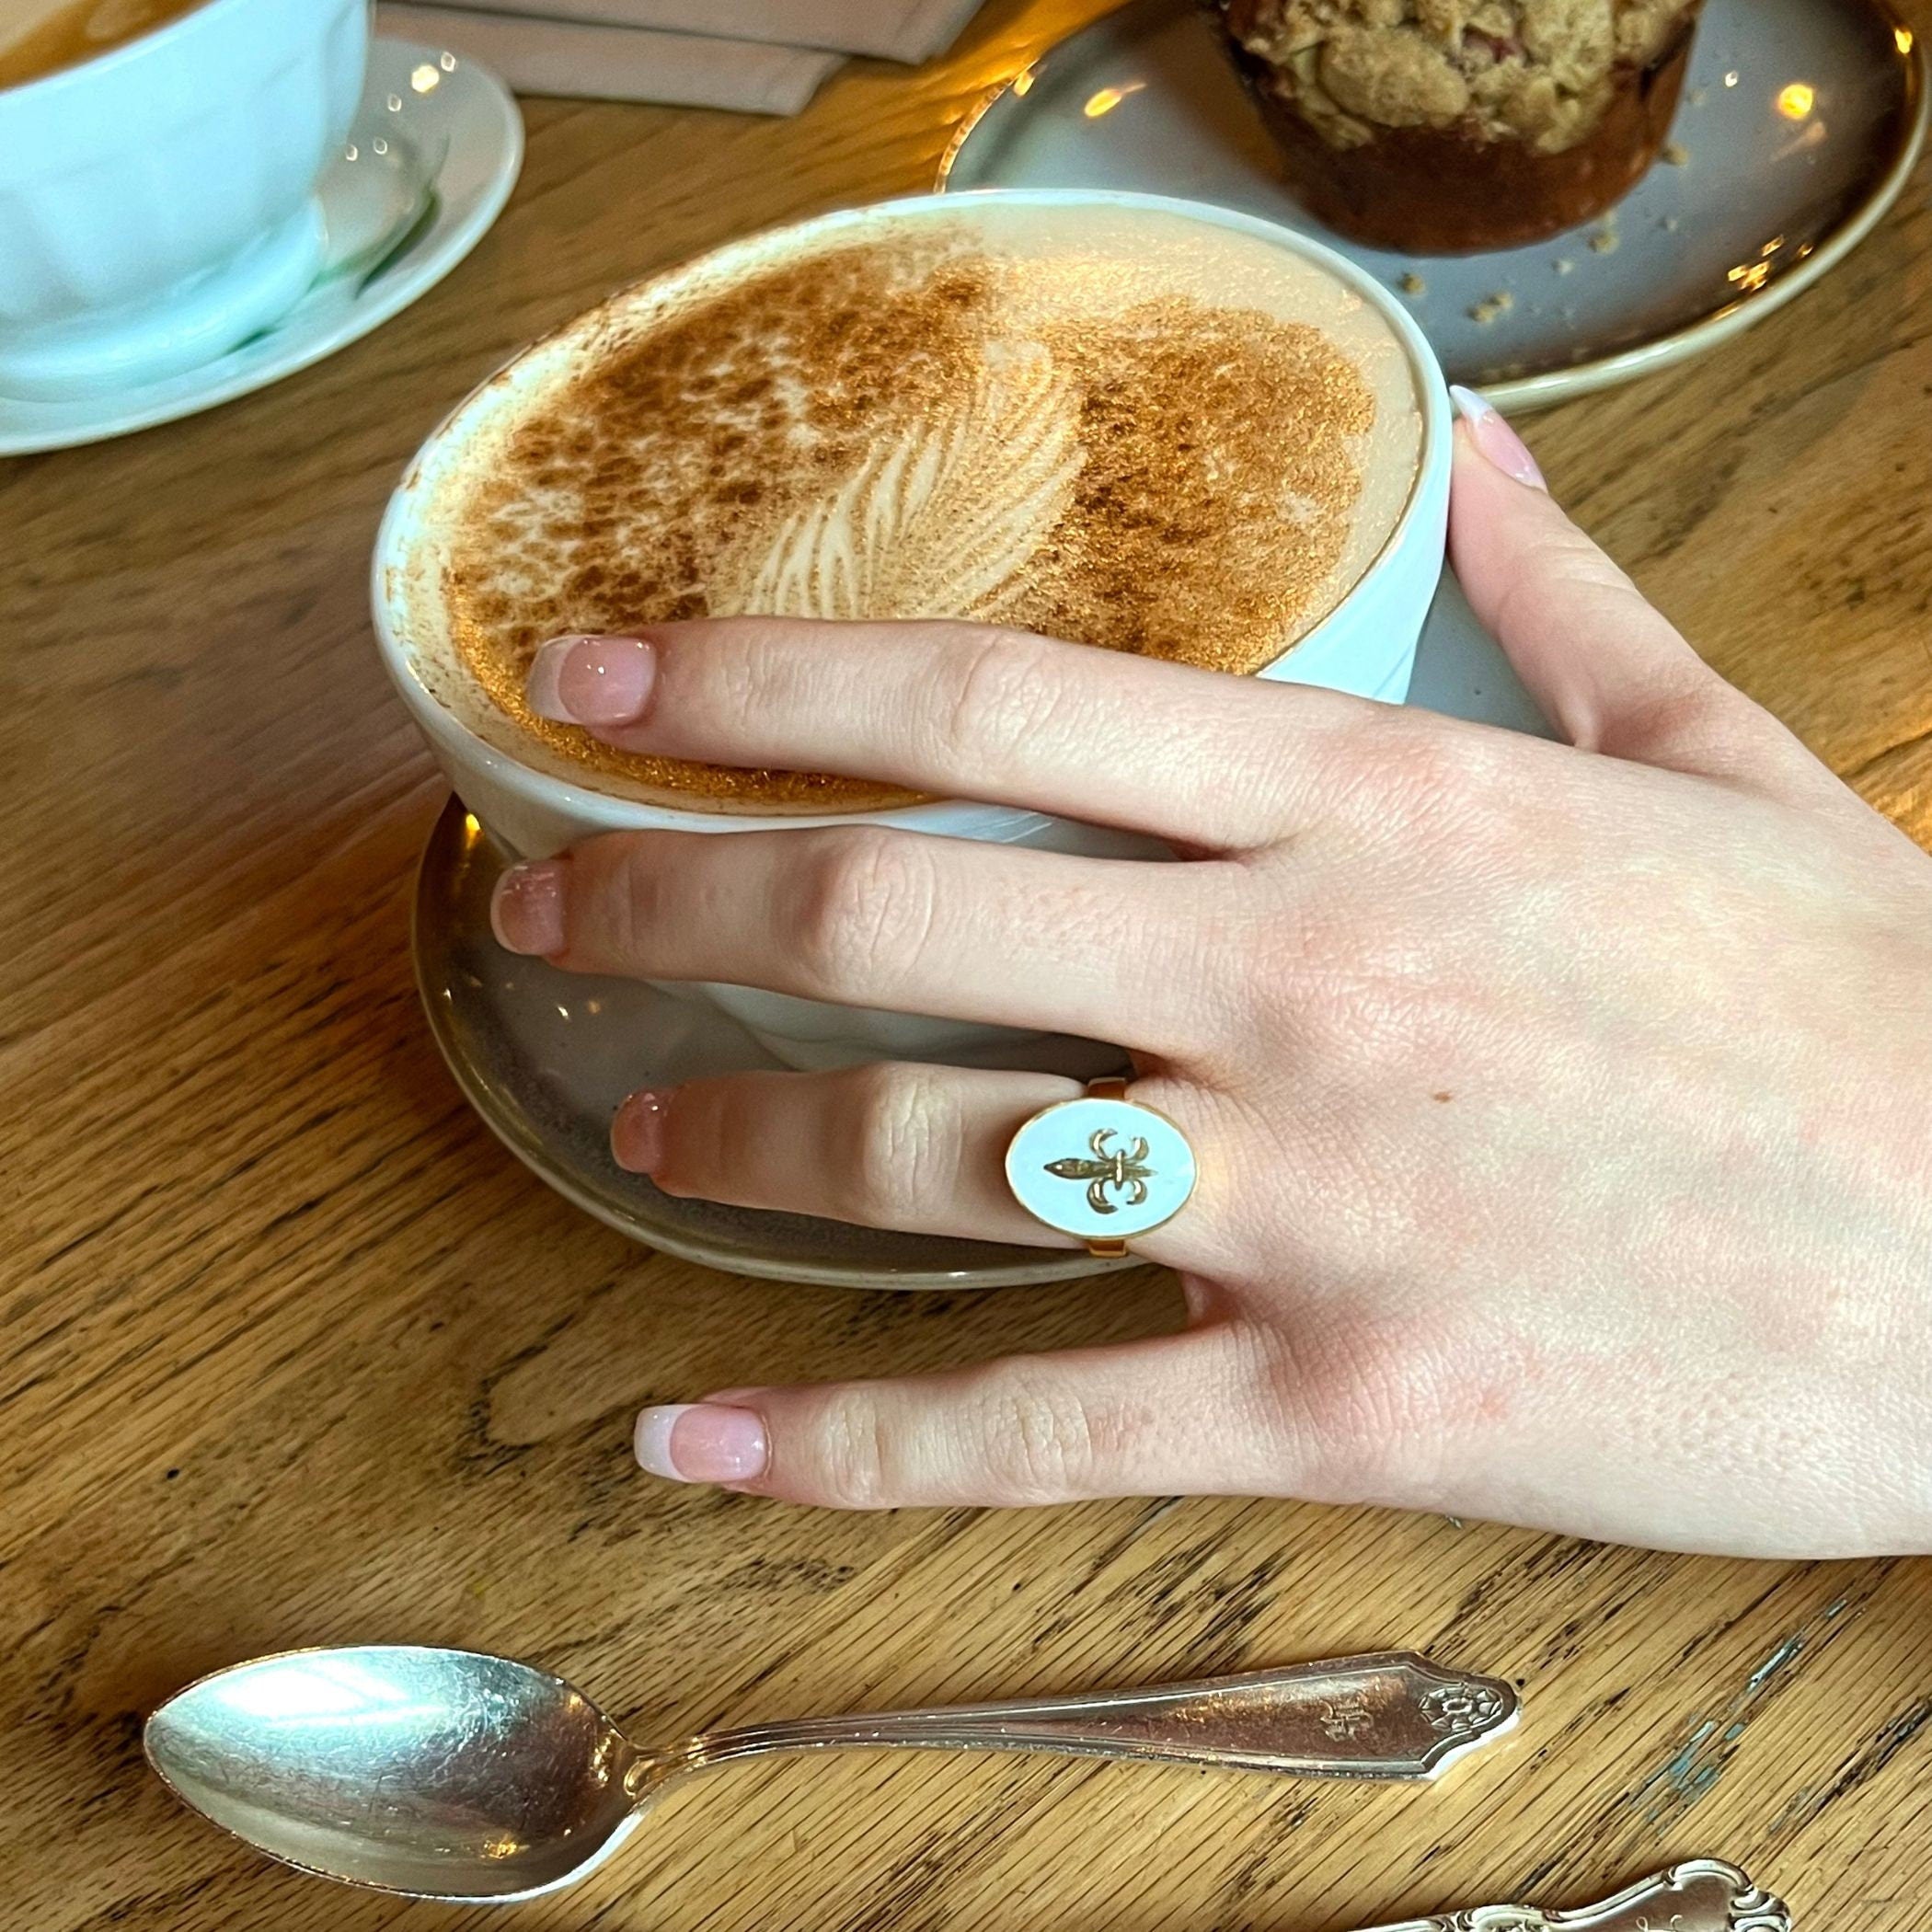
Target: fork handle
x: 1390, y: 1716
x: 1701, y: 1895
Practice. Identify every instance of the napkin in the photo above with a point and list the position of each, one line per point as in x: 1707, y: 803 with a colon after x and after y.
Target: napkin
x: 895, y: 30
x: 605, y: 63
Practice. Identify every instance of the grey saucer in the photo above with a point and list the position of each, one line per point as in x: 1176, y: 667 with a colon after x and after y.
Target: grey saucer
x: 1801, y: 122
x: 546, y: 1056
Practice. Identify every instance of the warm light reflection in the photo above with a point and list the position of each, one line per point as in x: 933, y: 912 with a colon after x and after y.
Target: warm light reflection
x: 1023, y: 81
x: 472, y: 824
x: 1903, y: 35
x: 1751, y: 276
x: 424, y: 77
x: 1797, y: 101
x: 1109, y: 98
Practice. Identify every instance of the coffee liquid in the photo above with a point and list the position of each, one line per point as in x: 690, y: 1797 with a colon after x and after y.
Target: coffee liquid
x: 36, y: 40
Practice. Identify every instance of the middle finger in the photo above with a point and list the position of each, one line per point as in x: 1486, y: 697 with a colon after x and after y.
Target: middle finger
x: 871, y: 917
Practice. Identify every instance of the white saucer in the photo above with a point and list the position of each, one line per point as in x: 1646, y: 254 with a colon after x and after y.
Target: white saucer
x: 429, y: 162
x: 1799, y: 124
x: 546, y: 1056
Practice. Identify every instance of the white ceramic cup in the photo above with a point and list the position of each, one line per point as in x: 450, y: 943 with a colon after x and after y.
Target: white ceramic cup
x: 157, y: 202
x: 1366, y: 646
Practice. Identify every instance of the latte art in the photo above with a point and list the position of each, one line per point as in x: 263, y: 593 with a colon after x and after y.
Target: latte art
x: 1125, y: 428
x: 942, y: 522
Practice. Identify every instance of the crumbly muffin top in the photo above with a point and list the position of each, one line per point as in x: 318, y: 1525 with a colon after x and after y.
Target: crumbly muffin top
x: 1536, y: 71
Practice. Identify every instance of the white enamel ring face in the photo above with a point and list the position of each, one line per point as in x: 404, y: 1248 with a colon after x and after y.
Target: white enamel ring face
x: 1102, y: 1171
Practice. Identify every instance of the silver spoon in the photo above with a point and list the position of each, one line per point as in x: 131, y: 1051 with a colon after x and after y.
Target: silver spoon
x: 456, y: 1776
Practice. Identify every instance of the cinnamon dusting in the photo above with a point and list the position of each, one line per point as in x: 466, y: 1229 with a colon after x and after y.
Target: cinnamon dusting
x: 1211, y: 495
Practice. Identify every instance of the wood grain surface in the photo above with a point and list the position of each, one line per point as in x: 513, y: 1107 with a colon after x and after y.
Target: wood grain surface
x: 293, y: 1352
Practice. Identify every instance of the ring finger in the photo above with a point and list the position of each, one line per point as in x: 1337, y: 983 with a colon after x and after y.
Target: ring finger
x: 914, y: 1148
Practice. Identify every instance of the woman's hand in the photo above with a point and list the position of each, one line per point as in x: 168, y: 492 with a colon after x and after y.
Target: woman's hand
x: 1564, y: 1112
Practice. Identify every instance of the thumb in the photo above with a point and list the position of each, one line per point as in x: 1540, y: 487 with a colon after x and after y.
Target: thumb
x: 1181, y: 1413
x: 1609, y: 671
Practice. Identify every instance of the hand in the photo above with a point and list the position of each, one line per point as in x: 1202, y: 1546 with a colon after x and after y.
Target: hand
x: 1564, y: 1112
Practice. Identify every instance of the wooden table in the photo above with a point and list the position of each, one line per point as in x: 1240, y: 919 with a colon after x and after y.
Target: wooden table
x: 293, y: 1352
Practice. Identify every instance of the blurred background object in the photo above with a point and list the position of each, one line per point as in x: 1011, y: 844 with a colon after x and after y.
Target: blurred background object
x: 757, y: 56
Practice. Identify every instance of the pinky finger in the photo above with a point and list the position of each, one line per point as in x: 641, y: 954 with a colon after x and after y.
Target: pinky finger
x: 1189, y: 1413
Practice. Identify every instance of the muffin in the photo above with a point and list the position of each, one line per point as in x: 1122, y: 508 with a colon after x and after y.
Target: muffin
x: 1438, y: 127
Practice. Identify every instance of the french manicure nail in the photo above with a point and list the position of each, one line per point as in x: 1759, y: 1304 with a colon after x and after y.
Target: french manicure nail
x: 701, y: 1442
x: 583, y: 680
x: 526, y: 908
x: 638, y: 1131
x: 1495, y: 439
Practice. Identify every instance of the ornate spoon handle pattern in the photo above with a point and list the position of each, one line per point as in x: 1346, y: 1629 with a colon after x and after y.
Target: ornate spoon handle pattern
x: 1701, y: 1895
x: 1393, y: 1715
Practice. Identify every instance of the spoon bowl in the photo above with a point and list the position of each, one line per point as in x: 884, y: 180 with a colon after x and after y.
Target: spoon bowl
x: 431, y: 1773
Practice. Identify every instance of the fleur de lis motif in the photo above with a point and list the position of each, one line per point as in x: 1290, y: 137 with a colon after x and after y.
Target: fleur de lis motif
x: 1126, y: 1171
x: 1347, y: 1716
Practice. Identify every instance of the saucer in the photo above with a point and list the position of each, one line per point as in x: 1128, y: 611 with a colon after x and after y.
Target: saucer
x: 1799, y: 124
x: 429, y: 161
x: 546, y: 1056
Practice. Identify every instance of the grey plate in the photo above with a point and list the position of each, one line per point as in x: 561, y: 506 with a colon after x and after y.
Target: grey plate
x: 546, y: 1056
x: 1800, y: 121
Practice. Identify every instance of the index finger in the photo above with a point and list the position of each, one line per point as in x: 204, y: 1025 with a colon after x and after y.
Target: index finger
x: 959, y: 711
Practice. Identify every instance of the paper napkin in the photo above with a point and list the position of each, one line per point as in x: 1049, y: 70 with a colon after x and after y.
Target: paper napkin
x: 606, y: 62
x: 895, y: 30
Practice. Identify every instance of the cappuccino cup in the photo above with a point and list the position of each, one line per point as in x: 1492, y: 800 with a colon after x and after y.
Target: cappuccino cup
x: 157, y: 196
x: 1135, y: 423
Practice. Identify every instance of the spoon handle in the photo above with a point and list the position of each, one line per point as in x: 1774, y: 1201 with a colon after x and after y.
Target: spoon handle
x: 1699, y: 1896
x: 1389, y: 1716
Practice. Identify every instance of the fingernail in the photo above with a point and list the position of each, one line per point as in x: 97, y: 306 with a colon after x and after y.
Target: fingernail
x: 701, y: 1442
x: 526, y: 910
x: 592, y: 681
x: 638, y: 1131
x: 1495, y: 439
